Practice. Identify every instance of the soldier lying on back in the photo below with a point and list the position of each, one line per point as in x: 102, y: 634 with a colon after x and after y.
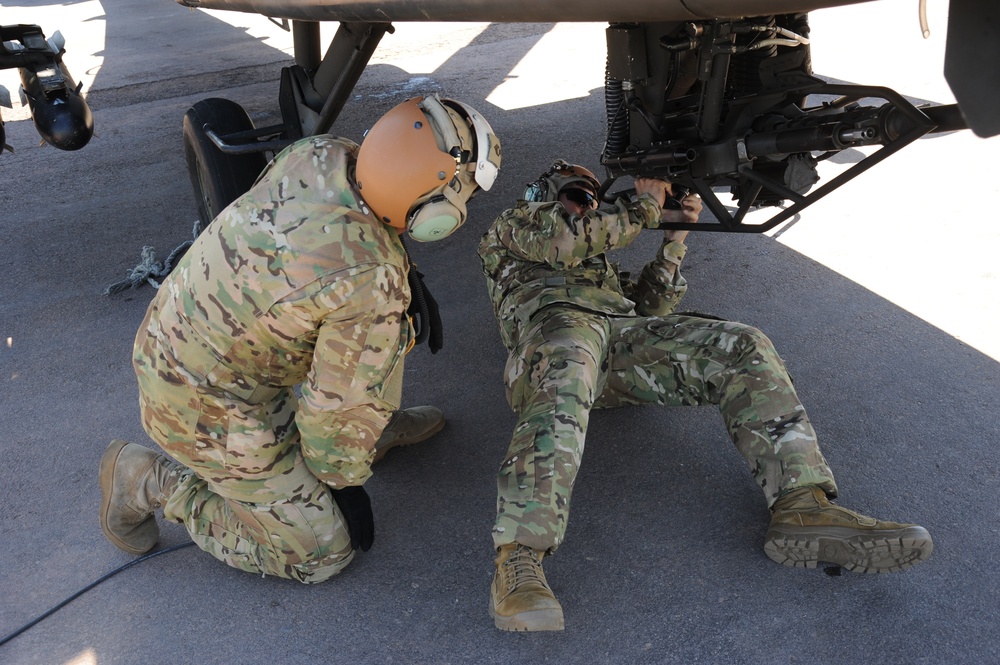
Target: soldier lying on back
x: 579, y: 338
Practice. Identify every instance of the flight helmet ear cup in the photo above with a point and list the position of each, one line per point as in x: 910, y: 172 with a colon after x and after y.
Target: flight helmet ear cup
x: 537, y: 191
x: 440, y: 216
x: 560, y: 175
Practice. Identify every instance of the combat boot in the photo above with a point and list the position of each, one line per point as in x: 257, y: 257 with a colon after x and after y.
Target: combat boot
x: 806, y: 529
x: 135, y: 481
x: 408, y: 426
x: 521, y: 598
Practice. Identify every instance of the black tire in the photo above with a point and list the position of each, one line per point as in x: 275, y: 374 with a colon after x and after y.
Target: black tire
x: 218, y: 179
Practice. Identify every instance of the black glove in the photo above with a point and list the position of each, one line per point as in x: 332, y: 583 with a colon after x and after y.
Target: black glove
x: 436, y: 340
x: 357, y: 509
x: 425, y: 313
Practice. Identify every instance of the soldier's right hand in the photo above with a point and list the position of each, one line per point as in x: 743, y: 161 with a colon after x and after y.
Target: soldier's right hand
x: 660, y: 189
x: 356, y: 508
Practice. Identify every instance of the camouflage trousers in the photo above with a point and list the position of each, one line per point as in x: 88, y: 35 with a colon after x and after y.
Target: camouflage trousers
x: 302, y: 538
x: 285, y: 524
x: 569, y: 361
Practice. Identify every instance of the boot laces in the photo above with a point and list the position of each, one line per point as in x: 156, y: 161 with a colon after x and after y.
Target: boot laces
x: 523, y: 568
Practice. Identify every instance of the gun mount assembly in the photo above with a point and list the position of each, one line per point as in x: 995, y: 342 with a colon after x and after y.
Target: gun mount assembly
x: 733, y: 106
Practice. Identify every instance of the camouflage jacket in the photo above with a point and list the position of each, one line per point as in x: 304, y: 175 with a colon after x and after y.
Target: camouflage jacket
x: 537, y: 254
x: 296, y: 282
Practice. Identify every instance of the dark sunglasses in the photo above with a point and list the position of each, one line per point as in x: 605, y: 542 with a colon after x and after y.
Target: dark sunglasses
x: 581, y: 197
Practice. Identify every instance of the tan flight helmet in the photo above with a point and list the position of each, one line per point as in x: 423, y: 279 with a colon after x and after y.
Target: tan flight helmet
x: 559, y: 176
x: 422, y: 161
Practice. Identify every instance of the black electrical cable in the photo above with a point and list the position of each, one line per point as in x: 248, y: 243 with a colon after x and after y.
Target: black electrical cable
x: 88, y: 588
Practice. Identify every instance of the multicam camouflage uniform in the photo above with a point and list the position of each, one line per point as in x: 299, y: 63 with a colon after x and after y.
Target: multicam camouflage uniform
x: 579, y: 338
x: 294, y: 283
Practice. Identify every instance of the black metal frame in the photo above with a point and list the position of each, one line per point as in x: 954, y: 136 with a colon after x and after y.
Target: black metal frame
x: 920, y: 125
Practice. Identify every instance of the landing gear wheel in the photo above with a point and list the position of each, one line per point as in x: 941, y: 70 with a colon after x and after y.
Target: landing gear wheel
x: 218, y: 178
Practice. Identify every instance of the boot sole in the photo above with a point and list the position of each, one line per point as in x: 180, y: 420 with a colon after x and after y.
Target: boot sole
x: 884, y: 551
x: 106, y: 478
x: 534, y: 620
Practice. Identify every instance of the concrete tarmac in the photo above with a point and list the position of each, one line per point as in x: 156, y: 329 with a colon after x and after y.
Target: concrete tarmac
x: 882, y: 299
